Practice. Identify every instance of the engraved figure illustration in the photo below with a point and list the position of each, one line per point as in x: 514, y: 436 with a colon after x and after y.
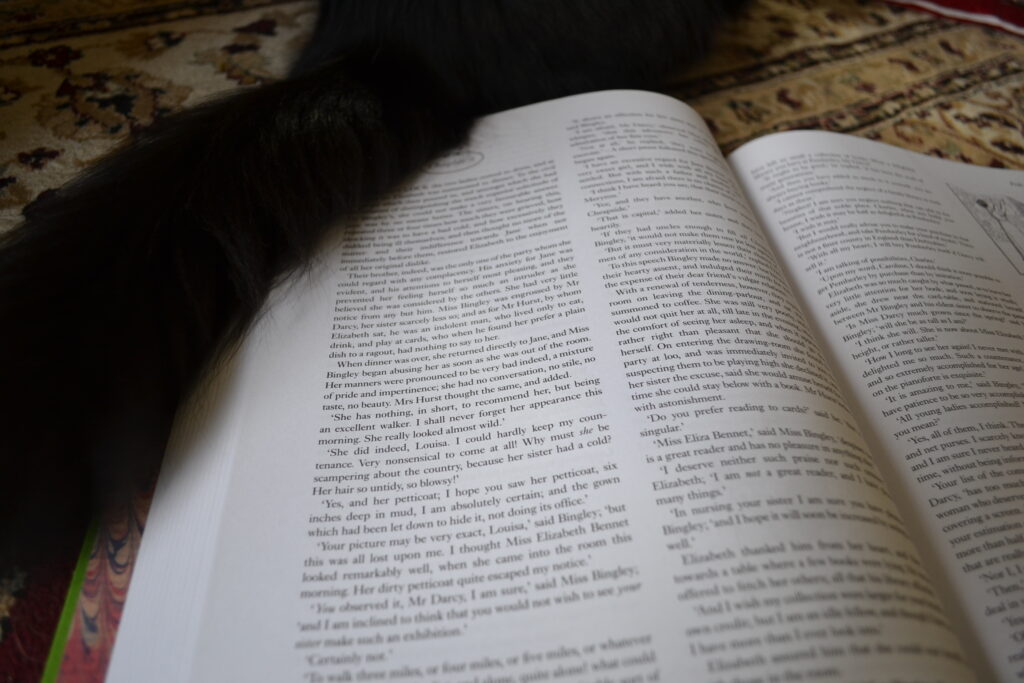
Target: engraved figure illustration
x: 1002, y: 219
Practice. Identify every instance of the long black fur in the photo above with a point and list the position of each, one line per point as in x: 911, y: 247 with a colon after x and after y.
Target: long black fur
x: 118, y: 288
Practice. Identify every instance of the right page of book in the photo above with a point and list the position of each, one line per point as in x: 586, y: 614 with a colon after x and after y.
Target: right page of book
x: 913, y: 271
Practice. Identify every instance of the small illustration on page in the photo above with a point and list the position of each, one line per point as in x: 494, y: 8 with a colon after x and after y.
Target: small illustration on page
x: 1002, y: 219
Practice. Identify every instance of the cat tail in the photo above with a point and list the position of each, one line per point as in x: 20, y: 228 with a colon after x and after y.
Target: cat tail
x: 118, y: 288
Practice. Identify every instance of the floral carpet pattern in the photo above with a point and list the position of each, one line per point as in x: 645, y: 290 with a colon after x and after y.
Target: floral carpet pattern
x: 65, y: 103
x: 35, y: 21
x: 78, y: 78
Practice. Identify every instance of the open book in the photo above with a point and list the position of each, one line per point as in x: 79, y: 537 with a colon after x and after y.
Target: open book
x: 587, y: 401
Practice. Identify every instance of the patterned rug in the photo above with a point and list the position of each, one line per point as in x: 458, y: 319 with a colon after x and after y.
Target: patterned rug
x: 76, y: 78
x: 24, y: 22
x: 903, y: 77
x: 67, y: 102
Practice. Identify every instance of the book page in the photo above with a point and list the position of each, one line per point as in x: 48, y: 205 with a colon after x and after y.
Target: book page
x: 551, y: 412
x: 914, y: 270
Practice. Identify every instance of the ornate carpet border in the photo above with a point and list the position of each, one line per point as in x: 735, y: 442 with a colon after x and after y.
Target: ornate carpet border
x: 800, y: 60
x: 863, y: 115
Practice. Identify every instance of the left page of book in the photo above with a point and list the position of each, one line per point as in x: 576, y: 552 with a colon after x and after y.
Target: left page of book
x: 551, y: 412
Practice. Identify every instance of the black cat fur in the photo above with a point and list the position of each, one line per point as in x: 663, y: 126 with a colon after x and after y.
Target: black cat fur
x: 118, y: 288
